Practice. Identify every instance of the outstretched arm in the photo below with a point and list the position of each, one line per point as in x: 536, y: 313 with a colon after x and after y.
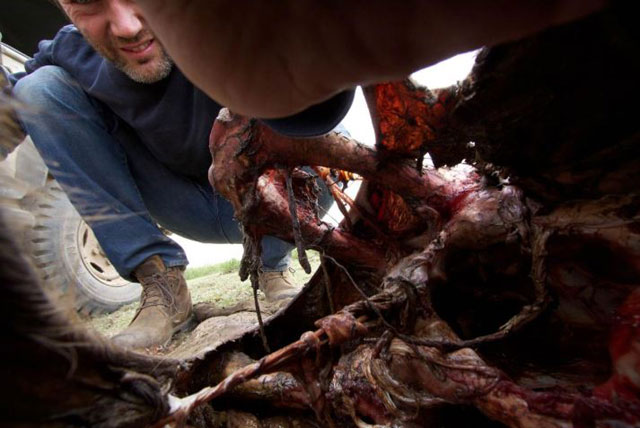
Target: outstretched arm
x: 275, y: 58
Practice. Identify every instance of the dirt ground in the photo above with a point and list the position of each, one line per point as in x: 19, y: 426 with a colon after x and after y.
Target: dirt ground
x: 222, y: 289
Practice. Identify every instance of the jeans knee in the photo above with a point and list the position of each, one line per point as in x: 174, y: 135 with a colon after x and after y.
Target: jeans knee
x: 44, y: 87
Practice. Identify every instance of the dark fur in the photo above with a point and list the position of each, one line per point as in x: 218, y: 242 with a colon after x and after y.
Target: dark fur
x: 55, y: 372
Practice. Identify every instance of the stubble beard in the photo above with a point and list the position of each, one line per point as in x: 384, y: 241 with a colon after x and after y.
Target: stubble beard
x: 160, y: 70
x: 149, y: 71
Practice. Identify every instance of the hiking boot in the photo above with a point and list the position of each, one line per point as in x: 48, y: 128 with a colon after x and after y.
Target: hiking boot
x: 165, y: 306
x: 278, y: 285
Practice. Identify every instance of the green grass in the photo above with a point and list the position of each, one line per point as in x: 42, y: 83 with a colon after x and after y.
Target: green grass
x: 233, y: 265
x: 221, y: 268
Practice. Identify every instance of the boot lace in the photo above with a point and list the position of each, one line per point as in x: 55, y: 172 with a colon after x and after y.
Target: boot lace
x: 157, y: 292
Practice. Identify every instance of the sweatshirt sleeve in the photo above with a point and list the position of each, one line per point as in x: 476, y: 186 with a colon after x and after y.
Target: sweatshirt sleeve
x: 44, y: 55
x: 315, y: 120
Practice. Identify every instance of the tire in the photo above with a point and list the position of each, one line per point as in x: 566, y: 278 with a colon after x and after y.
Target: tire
x: 69, y: 258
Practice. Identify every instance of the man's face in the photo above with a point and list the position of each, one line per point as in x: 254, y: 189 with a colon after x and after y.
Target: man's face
x: 117, y: 30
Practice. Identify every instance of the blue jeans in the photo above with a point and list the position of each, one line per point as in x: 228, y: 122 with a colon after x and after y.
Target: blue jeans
x: 116, y: 184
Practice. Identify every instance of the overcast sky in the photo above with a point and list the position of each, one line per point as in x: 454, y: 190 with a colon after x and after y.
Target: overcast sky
x: 357, y: 121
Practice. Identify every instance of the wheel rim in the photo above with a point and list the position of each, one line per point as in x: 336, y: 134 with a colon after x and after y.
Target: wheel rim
x: 95, y: 260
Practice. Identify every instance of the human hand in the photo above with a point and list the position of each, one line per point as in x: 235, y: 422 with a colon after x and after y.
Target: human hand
x: 272, y: 59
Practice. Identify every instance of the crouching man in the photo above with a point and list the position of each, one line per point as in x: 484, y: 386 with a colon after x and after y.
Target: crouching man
x: 126, y: 136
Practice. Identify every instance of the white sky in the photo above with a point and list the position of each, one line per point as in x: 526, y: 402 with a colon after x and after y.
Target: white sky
x: 357, y: 121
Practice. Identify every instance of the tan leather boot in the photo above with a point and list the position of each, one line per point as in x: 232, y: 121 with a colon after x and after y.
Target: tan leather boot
x: 278, y: 285
x: 165, y: 306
